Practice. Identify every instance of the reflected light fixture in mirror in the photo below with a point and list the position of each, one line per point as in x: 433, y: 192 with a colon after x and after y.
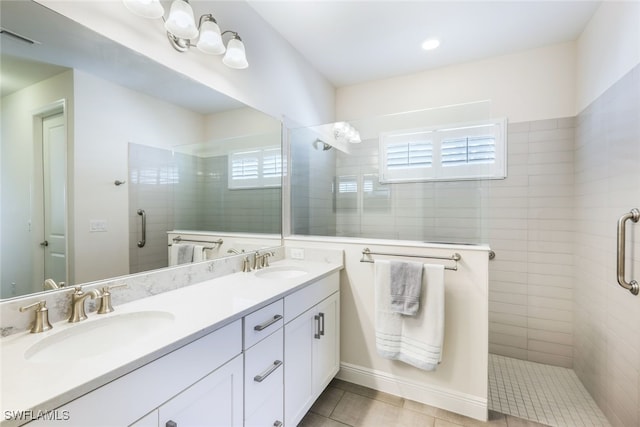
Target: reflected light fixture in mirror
x: 182, y: 30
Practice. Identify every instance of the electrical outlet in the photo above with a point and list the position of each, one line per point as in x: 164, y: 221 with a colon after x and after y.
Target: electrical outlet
x: 97, y: 225
x: 297, y: 253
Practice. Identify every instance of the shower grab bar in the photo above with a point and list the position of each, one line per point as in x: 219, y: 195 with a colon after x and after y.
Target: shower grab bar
x: 179, y: 239
x: 366, y: 257
x: 143, y: 242
x: 632, y: 286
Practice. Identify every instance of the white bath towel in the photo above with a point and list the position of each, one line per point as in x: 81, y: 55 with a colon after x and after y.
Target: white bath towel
x: 181, y: 254
x: 416, y: 340
x: 199, y: 253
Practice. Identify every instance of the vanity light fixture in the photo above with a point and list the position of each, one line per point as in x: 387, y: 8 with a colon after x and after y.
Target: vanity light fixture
x: 182, y: 30
x: 343, y: 131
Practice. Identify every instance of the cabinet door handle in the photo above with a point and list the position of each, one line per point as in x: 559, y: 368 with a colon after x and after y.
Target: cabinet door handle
x: 277, y: 424
x: 171, y: 424
x: 316, y: 318
x: 321, y: 323
x: 268, y: 323
x: 265, y: 374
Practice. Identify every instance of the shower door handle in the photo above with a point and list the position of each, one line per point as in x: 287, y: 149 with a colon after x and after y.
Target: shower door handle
x: 143, y: 214
x: 632, y: 286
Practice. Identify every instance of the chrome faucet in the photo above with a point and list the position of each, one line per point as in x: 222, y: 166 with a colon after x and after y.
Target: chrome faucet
x: 258, y: 261
x: 78, y: 312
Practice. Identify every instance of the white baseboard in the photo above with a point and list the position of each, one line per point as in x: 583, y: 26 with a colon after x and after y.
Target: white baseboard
x: 451, y: 400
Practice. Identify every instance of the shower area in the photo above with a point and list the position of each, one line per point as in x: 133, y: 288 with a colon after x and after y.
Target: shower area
x: 564, y: 340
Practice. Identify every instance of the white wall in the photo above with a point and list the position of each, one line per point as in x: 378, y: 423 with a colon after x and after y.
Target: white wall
x: 278, y: 81
x: 531, y: 85
x: 18, y: 175
x: 107, y: 118
x: 608, y: 48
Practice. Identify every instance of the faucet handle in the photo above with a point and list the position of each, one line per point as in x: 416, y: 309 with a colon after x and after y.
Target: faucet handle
x: 265, y: 258
x: 105, y: 299
x: 41, y: 322
x: 246, y: 265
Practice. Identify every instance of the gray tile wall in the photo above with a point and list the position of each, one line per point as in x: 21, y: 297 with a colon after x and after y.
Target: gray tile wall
x: 184, y: 192
x: 607, y: 185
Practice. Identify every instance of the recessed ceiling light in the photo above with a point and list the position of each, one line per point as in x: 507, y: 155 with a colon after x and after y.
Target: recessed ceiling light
x: 430, y: 44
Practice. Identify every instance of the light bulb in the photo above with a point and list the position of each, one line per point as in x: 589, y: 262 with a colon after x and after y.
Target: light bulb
x: 210, y: 40
x: 151, y: 9
x: 180, y: 22
x: 235, y: 56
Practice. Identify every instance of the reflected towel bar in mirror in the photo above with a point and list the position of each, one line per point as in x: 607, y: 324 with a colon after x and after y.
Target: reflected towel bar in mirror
x: 179, y: 239
x: 367, y: 257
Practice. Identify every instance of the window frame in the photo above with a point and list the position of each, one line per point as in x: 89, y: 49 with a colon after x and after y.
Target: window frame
x: 437, y: 171
x: 260, y: 181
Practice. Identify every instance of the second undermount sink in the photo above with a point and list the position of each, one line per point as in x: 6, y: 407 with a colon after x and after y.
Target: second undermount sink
x: 281, y: 272
x: 98, y: 337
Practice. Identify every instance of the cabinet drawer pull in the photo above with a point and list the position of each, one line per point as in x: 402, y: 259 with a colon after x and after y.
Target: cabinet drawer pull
x: 268, y: 323
x: 316, y: 318
x: 321, y: 323
x: 171, y: 424
x: 265, y: 374
x: 277, y: 424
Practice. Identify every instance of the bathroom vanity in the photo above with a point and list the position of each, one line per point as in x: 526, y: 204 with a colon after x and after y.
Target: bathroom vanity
x: 252, y: 349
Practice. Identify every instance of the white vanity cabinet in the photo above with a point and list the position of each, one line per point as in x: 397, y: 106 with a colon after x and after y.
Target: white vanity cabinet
x: 199, y: 384
x: 312, y: 345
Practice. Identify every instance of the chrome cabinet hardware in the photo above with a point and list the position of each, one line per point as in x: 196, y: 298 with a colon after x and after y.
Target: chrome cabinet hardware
x: 316, y: 318
x: 143, y: 242
x: 41, y: 322
x: 171, y: 423
x: 105, y: 298
x: 269, y: 371
x: 632, y: 286
x: 268, y: 323
x: 78, y: 297
x: 44, y: 244
x: 321, y: 315
x: 277, y: 424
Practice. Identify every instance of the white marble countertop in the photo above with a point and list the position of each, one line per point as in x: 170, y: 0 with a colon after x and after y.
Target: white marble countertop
x: 198, y: 310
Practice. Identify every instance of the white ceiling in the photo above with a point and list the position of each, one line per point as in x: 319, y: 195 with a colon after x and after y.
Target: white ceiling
x: 351, y: 42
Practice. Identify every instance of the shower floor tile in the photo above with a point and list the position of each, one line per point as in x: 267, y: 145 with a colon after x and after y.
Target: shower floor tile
x: 546, y: 394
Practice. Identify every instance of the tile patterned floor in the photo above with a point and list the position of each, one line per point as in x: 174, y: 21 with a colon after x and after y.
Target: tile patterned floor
x: 345, y: 404
x: 542, y: 393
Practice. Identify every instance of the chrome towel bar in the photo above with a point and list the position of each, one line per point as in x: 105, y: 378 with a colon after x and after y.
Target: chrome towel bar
x: 632, y: 286
x: 179, y: 239
x: 366, y: 257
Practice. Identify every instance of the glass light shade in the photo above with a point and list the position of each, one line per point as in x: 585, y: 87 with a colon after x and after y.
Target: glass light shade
x: 151, y: 9
x: 210, y: 40
x: 355, y: 137
x: 180, y: 22
x: 235, y: 56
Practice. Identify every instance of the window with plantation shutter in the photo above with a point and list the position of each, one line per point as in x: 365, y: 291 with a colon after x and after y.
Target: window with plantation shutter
x: 255, y: 168
x: 452, y: 152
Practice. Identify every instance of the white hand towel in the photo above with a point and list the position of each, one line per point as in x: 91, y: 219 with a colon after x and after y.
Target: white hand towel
x: 181, y: 254
x: 199, y: 253
x: 414, y: 340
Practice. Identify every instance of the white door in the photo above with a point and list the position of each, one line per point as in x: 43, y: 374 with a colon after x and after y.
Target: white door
x: 327, y: 351
x: 54, y: 168
x: 298, y: 366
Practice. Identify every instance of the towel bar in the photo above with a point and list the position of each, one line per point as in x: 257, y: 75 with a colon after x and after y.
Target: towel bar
x: 179, y: 239
x: 366, y: 257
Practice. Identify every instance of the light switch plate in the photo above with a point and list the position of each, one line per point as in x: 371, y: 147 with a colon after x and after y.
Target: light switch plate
x: 97, y: 225
x: 297, y: 253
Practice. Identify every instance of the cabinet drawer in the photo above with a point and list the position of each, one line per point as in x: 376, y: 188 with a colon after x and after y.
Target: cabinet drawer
x: 262, y: 323
x: 302, y: 300
x: 269, y: 414
x: 263, y: 372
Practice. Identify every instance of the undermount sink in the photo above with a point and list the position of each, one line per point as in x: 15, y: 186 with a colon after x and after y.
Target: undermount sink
x: 97, y: 337
x: 281, y: 272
